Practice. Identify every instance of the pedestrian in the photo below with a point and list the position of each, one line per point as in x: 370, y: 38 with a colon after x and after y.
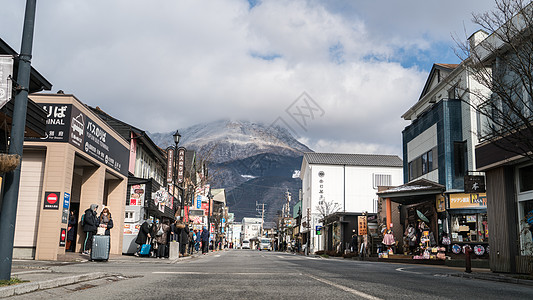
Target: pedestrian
x: 143, y: 235
x: 105, y: 221
x: 183, y: 231
x: 90, y: 225
x: 174, y: 231
x: 161, y: 239
x: 353, y: 244
x: 71, y: 232
x: 205, y: 240
x: 197, y: 241
x: 192, y: 236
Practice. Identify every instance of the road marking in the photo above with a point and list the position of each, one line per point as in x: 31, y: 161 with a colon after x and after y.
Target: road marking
x: 218, y: 255
x: 224, y: 273
x: 402, y: 270
x: 344, y: 288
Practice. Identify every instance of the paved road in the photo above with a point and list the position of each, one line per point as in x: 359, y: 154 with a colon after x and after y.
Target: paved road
x: 248, y: 274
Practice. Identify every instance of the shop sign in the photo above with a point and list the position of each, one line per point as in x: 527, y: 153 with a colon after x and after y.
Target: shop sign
x: 468, y: 200
x: 362, y: 225
x: 205, y: 207
x: 62, y: 237
x: 441, y: 203
x: 6, y: 72
x: 66, y: 203
x: 170, y: 164
x: 137, y: 195
x: 66, y: 123
x: 51, y: 200
x: 181, y: 164
x: 474, y: 184
x: 198, y: 201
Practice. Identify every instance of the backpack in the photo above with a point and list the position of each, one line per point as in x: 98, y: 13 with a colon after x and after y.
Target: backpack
x: 82, y: 220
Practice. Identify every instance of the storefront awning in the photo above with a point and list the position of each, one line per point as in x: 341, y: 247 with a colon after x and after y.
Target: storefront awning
x: 413, y: 192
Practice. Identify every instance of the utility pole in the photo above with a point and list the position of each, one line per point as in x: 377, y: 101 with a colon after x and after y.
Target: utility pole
x: 262, y: 211
x: 8, y: 212
x: 308, y: 230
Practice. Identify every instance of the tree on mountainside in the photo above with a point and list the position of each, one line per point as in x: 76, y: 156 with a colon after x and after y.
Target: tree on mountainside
x: 500, y: 59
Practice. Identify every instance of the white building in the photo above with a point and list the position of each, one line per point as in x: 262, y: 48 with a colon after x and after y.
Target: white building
x: 342, y: 182
x: 251, y: 228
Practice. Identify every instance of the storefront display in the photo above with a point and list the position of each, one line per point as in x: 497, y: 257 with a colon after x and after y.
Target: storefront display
x: 470, y: 228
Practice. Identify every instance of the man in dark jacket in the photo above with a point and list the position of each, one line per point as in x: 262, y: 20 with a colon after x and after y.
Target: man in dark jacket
x: 205, y: 240
x: 143, y: 235
x: 90, y: 224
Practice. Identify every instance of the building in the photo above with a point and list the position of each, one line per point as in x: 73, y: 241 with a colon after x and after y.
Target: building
x: 146, y: 179
x: 502, y: 152
x: 251, y: 229
x: 342, y: 183
x: 80, y: 161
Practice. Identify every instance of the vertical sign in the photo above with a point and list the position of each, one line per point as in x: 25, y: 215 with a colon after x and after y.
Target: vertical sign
x: 198, y: 202
x: 181, y: 164
x: 66, y: 204
x: 62, y: 237
x: 170, y: 164
x: 6, y: 72
x: 361, y: 221
x: 51, y: 200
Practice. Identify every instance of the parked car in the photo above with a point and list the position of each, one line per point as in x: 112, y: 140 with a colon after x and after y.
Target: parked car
x: 265, y: 244
x: 245, y: 245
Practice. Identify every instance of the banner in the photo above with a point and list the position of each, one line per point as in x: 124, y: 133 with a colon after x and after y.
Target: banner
x: 468, y: 200
x: 6, y: 72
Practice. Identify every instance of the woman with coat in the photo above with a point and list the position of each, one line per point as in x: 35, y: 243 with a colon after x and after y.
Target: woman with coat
x: 105, y: 220
x: 161, y: 238
x: 205, y: 240
x: 143, y: 235
x: 90, y: 224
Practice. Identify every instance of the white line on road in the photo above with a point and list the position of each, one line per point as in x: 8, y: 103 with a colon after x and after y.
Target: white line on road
x: 402, y: 270
x: 224, y: 273
x: 344, y: 288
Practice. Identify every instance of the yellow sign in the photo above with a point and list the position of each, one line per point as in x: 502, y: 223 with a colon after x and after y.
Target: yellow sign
x: 441, y: 203
x: 361, y: 220
x: 468, y: 200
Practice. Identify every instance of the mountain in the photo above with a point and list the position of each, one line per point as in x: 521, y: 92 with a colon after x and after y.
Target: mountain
x: 228, y: 140
x: 252, y: 161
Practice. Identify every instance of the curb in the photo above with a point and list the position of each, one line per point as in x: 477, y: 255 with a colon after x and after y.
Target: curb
x: 497, y: 278
x: 29, y: 287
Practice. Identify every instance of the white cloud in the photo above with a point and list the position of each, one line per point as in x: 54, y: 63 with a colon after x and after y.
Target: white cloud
x: 171, y: 64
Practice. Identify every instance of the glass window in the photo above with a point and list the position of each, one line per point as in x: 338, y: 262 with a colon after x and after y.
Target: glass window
x: 424, y: 163
x: 430, y: 160
x: 526, y: 178
x: 526, y: 227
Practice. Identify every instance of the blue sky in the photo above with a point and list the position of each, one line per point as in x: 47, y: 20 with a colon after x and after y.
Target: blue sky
x: 182, y: 62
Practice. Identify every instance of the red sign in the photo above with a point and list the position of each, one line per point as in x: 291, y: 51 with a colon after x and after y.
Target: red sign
x: 205, y: 207
x: 51, y: 200
x: 62, y: 237
x: 186, y: 214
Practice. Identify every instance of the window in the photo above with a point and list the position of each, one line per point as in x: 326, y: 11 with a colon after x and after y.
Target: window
x: 423, y: 164
x: 128, y: 216
x: 525, y: 176
x: 382, y: 180
x: 459, y: 159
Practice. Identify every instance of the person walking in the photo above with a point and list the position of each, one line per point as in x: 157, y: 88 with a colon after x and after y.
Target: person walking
x: 90, y: 225
x: 71, y: 232
x: 183, y: 230
x: 204, y: 236
x: 192, y: 237
x: 161, y: 239
x: 105, y: 221
x: 143, y: 235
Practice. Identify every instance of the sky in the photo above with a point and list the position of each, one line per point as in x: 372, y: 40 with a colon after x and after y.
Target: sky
x: 337, y: 74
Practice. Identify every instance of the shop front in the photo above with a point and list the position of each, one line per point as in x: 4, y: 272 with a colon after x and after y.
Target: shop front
x: 468, y: 224
x: 80, y: 161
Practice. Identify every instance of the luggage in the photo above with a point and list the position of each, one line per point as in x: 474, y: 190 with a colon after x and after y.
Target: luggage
x: 100, y: 248
x: 145, y: 249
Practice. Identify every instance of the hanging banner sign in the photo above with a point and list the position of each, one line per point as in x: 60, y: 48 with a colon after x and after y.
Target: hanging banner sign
x: 362, y: 225
x: 51, y: 200
x: 170, y: 164
x: 6, y: 72
x: 181, y: 164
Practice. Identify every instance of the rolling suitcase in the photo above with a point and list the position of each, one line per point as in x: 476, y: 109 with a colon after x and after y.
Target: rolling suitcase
x: 100, y: 248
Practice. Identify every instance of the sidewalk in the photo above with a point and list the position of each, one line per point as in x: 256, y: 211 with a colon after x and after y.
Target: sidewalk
x: 40, y: 275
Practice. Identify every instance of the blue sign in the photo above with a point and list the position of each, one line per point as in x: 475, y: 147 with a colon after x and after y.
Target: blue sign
x: 66, y: 200
x: 223, y: 220
x: 198, y: 202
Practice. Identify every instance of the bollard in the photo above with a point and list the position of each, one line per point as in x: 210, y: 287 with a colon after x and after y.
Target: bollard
x: 468, y: 259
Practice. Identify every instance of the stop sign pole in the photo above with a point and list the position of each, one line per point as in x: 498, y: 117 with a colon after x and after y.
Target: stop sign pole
x: 8, y: 211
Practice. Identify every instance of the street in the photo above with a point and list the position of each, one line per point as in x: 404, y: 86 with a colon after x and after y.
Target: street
x: 246, y: 274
